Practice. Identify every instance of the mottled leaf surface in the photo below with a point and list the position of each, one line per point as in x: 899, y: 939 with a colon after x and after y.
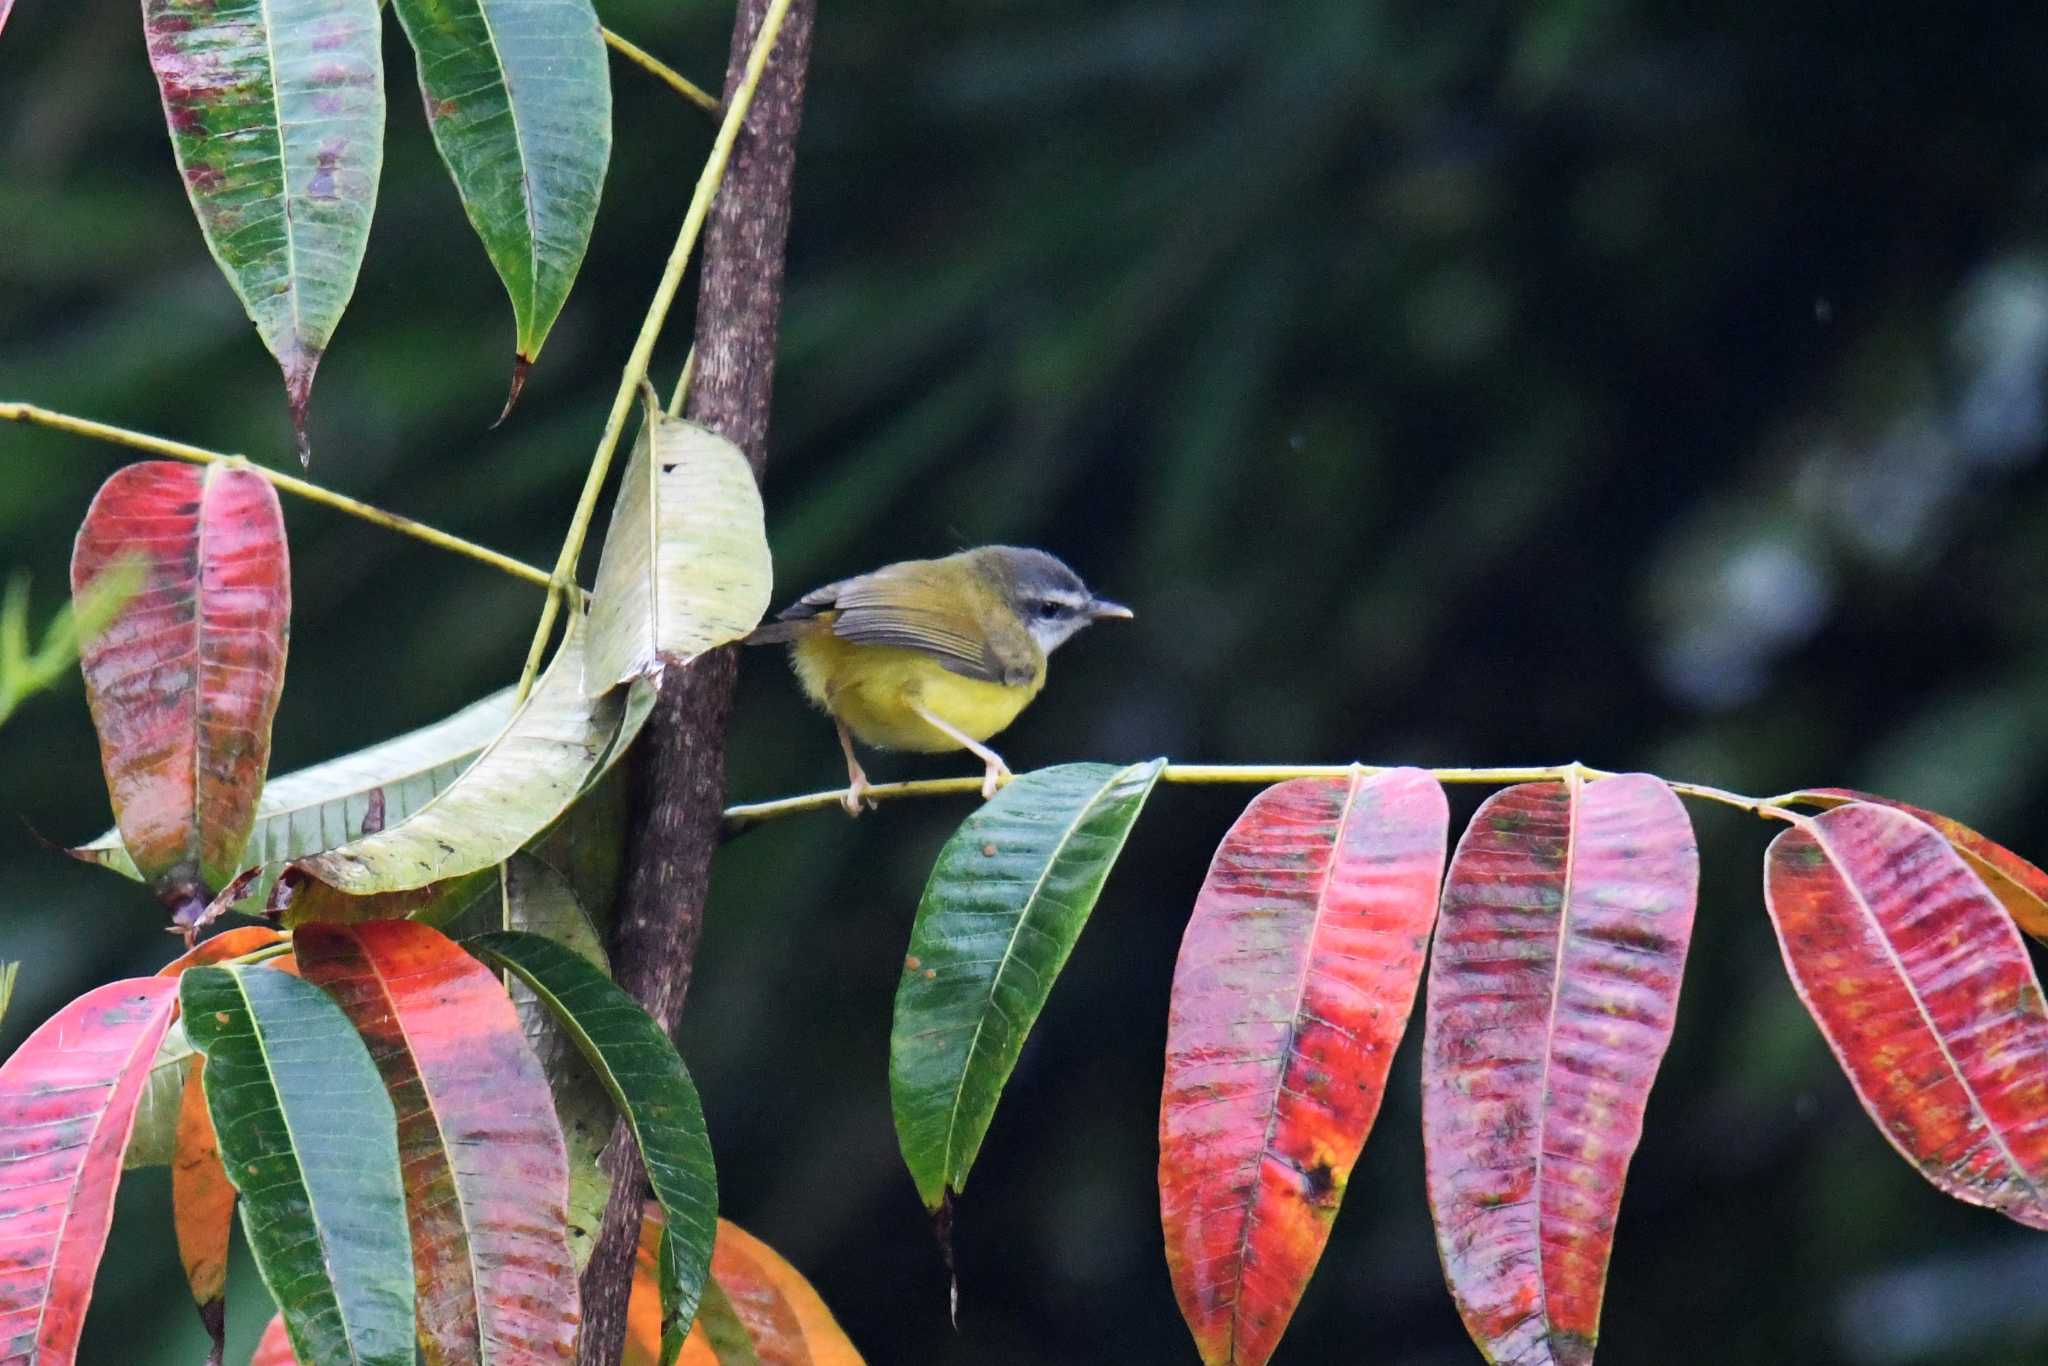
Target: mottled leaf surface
x: 1553, y: 989
x: 638, y: 1064
x: 184, y: 680
x: 486, y: 1177
x: 782, y: 1320
x: 1924, y: 991
x: 1008, y: 896
x: 555, y: 745
x: 307, y: 1135
x: 276, y: 113
x: 685, y: 565
x: 67, y: 1099
x: 520, y: 102
x: 2019, y: 886
x: 202, y: 1206
x: 332, y: 803
x: 1296, y: 977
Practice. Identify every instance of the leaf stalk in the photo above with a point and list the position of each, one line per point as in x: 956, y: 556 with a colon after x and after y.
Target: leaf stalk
x: 747, y: 815
x: 35, y: 416
x: 661, y: 71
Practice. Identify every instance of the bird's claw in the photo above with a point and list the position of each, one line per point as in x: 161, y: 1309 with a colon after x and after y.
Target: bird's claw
x: 994, y: 777
x: 856, y: 799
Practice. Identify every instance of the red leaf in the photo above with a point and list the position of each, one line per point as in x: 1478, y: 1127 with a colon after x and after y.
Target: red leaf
x: 67, y: 1103
x: 184, y: 680
x: 785, y: 1321
x: 2019, y: 886
x: 486, y: 1174
x: 276, y: 1347
x: 1553, y: 989
x: 202, y: 1207
x: 1295, y: 981
x: 1924, y: 991
x: 223, y: 946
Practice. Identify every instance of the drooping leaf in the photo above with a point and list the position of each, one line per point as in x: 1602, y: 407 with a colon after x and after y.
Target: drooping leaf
x: 329, y: 804
x: 67, y: 1099
x: 154, y: 1140
x: 1008, y: 896
x: 1553, y: 988
x: 555, y: 745
x: 202, y: 1208
x: 184, y: 680
x: 2019, y: 886
x: 8, y: 972
x: 721, y: 1328
x: 646, y: 1080
x: 685, y: 565
x: 301, y: 899
x: 276, y: 114
x: 783, y: 1320
x: 275, y: 1349
x: 1923, y: 989
x: 486, y: 1178
x: 1295, y: 981
x: 519, y: 99
x: 308, y: 1137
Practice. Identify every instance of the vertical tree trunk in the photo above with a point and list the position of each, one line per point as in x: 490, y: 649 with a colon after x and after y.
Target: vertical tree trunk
x: 679, y: 772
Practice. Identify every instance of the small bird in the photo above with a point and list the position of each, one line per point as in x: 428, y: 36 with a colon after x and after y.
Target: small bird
x: 934, y: 655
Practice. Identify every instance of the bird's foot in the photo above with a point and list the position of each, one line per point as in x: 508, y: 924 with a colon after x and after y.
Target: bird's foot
x: 855, y: 799
x: 994, y: 776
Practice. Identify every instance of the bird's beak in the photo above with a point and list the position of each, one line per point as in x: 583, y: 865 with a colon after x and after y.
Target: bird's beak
x: 1102, y: 609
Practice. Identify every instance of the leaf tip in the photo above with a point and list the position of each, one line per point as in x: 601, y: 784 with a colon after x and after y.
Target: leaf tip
x: 522, y: 366
x: 299, y: 362
x: 942, y: 1234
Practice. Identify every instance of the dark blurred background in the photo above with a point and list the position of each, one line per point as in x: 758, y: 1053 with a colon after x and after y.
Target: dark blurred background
x: 1658, y: 385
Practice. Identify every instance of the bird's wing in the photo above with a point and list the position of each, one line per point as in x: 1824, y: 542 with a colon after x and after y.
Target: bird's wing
x: 900, y: 606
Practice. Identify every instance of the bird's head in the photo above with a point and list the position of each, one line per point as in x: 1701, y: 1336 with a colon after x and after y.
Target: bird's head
x: 1047, y: 596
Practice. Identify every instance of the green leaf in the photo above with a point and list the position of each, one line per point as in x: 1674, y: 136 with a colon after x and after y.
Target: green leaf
x: 520, y: 102
x: 8, y: 972
x: 648, y: 1083
x: 722, y: 1327
x: 1008, y: 897
x: 555, y: 747
x: 155, y: 1136
x: 685, y: 565
x: 329, y: 804
x: 276, y: 113
x: 308, y: 1136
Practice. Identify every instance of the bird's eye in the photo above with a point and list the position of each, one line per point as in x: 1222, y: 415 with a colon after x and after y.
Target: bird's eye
x: 1048, y: 609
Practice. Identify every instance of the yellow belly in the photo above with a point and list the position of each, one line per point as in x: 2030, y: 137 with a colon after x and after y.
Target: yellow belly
x: 872, y: 688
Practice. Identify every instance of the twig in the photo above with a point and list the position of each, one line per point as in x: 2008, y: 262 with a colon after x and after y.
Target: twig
x: 661, y: 71
x: 750, y: 814
x: 650, y: 328
x: 179, y: 450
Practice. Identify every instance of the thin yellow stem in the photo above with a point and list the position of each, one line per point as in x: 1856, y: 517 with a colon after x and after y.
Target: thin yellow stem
x: 661, y: 71
x: 313, y: 493
x: 743, y: 817
x: 650, y: 329
x: 682, y: 393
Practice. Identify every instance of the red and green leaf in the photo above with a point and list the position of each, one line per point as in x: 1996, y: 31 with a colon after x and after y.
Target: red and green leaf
x: 520, y: 102
x: 486, y: 1177
x: 67, y: 1102
x: 223, y: 946
x: 1296, y: 977
x: 2019, y: 886
x: 767, y: 1312
x: 1924, y: 991
x: 276, y: 115
x: 275, y: 1349
x: 202, y: 1207
x: 1553, y: 990
x: 308, y: 1136
x: 184, y: 681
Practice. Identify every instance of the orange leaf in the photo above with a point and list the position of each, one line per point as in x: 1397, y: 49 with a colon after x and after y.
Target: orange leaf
x: 2019, y: 886
x: 202, y: 1205
x: 225, y: 945
x: 785, y: 1319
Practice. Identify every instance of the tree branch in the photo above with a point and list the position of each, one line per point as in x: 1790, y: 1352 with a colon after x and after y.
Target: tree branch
x: 679, y: 768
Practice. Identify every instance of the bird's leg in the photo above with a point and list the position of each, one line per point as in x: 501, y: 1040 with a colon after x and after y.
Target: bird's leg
x: 996, y: 769
x: 856, y: 781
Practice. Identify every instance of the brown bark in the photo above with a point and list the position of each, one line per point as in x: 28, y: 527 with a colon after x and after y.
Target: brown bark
x: 679, y: 769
